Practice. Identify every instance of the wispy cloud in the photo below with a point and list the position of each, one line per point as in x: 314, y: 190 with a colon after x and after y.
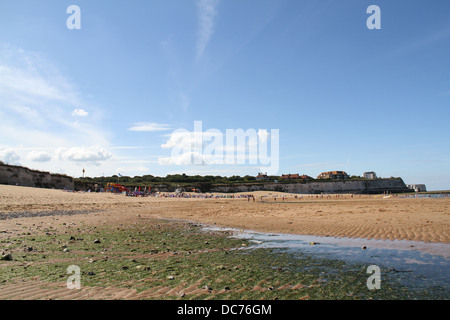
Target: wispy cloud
x: 36, y: 104
x: 149, y: 127
x: 207, y: 12
x: 35, y: 99
x: 27, y: 77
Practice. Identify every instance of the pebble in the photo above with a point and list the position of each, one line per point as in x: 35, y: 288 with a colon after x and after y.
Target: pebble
x: 145, y: 268
x: 6, y: 257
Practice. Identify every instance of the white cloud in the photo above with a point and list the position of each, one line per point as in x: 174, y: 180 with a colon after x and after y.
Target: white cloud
x: 149, y: 127
x: 185, y: 139
x: 213, y: 147
x: 185, y: 158
x: 9, y: 156
x: 39, y: 156
x: 92, y: 154
x: 207, y: 12
x: 80, y: 113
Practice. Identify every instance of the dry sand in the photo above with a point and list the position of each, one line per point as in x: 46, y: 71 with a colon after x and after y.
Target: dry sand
x: 368, y: 217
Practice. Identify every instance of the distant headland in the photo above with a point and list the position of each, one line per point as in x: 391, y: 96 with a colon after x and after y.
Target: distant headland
x: 326, y: 182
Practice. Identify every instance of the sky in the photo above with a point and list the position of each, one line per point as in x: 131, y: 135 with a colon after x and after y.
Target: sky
x: 152, y: 87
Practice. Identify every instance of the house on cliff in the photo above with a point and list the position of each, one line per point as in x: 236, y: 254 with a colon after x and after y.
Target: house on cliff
x: 295, y: 177
x: 262, y: 176
x: 369, y: 175
x: 290, y: 176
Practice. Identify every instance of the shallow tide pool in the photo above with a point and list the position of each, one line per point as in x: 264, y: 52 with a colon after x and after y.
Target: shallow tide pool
x: 416, y: 265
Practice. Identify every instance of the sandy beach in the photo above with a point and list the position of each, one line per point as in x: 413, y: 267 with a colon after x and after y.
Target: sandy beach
x: 366, y: 216
x: 152, y: 248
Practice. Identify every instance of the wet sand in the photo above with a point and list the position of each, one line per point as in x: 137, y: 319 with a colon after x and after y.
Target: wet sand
x: 367, y: 216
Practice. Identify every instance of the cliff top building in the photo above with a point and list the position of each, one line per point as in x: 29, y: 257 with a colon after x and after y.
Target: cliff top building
x: 290, y: 176
x: 295, y: 176
x: 369, y: 175
x: 262, y: 176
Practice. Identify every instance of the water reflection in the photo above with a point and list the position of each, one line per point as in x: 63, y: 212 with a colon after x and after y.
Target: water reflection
x: 418, y: 264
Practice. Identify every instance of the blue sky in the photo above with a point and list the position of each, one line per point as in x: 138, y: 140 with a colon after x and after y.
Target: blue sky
x: 109, y: 96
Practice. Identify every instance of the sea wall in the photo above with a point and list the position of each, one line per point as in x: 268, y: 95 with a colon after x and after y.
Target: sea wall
x: 317, y: 187
x: 16, y: 175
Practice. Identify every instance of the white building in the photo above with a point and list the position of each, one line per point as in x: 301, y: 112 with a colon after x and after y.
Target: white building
x: 417, y: 187
x: 369, y: 175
